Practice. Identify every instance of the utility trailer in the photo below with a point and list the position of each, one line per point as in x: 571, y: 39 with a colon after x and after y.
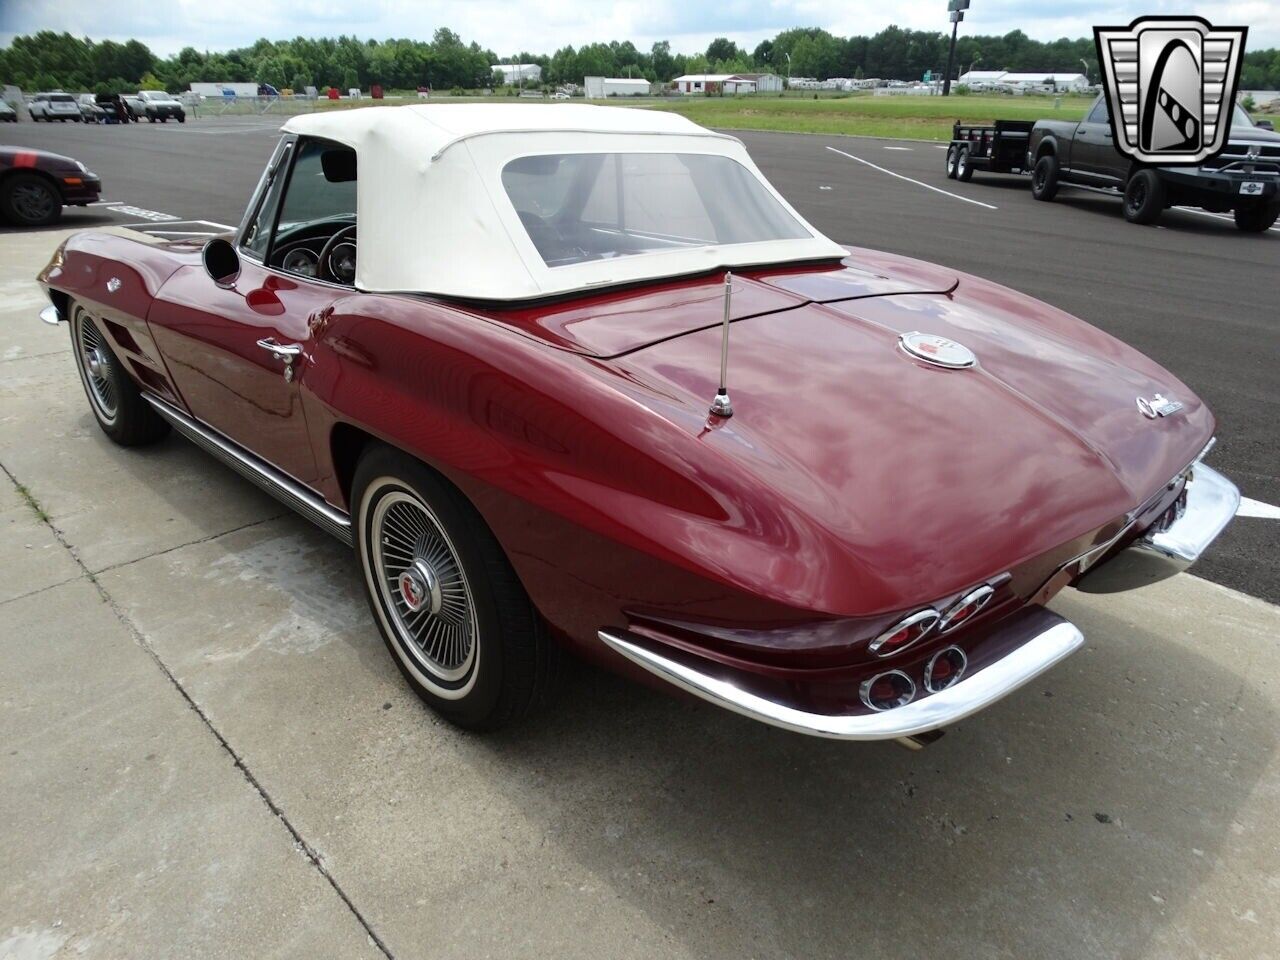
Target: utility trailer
x: 1001, y: 148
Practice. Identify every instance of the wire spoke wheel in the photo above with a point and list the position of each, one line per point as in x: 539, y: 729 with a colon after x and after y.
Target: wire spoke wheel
x: 95, y: 368
x: 423, y: 587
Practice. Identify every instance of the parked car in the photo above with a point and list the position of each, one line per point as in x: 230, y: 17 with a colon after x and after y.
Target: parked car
x: 90, y: 112
x: 114, y: 108
x: 582, y: 378
x: 157, y: 105
x: 1244, y: 180
x: 54, y: 106
x: 7, y: 113
x: 36, y: 185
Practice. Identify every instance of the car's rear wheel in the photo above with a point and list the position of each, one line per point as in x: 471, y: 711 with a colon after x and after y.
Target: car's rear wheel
x: 114, y: 398
x: 952, y: 159
x: 449, y: 606
x: 29, y: 200
x: 964, y: 166
x: 1044, y: 178
x: 1144, y: 197
x: 1257, y: 217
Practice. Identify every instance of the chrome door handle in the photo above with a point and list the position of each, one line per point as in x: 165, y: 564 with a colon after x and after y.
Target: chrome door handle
x: 286, y: 352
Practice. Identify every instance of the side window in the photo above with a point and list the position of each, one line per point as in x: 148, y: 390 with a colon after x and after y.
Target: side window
x: 322, y: 185
x: 1100, y: 113
x: 257, y: 231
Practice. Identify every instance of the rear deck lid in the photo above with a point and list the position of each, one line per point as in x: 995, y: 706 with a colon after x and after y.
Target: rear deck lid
x: 617, y: 322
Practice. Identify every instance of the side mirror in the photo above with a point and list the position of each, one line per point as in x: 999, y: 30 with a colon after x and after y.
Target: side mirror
x: 221, y: 262
x: 1265, y: 124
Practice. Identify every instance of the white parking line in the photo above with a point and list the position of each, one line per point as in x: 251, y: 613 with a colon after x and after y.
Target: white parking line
x: 945, y: 193
x: 142, y: 213
x: 1256, y: 508
x: 171, y: 221
x: 181, y: 233
x: 907, y: 149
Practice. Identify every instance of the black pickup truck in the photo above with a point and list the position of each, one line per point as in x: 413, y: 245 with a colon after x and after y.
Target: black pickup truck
x: 1244, y: 180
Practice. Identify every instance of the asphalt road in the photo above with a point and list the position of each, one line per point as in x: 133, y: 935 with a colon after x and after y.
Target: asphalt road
x: 1194, y: 294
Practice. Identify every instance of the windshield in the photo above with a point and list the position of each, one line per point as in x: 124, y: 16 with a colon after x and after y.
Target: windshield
x: 61, y: 98
x: 156, y: 95
x: 1240, y: 118
x: 596, y: 206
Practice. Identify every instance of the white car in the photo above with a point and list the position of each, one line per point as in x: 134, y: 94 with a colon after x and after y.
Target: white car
x: 54, y: 106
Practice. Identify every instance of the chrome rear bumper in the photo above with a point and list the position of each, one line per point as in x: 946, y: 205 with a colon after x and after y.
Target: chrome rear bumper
x: 1174, y: 543
x: 1050, y: 639
x: 50, y: 315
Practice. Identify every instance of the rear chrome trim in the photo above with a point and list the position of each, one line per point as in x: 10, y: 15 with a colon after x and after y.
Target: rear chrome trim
x: 1173, y: 543
x: 979, y: 598
x: 50, y: 315
x: 1051, y: 639
x: 281, y: 486
x: 918, y: 617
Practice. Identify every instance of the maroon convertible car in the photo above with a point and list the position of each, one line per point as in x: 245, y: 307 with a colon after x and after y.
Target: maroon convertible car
x: 585, y: 380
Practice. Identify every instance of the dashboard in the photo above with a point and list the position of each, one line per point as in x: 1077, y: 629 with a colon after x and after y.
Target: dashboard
x: 323, y: 250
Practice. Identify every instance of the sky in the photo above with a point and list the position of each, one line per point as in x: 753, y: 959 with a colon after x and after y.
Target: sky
x: 541, y: 26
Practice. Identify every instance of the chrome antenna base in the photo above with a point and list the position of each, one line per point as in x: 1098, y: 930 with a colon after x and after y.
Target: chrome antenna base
x: 720, y: 406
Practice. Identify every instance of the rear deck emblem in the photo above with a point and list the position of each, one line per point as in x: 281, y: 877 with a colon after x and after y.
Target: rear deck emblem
x: 1171, y: 85
x: 938, y: 351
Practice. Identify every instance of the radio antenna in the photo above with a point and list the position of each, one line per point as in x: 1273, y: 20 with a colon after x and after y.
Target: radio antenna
x: 720, y: 406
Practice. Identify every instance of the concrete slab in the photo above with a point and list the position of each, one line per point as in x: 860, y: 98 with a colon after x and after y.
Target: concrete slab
x: 1123, y: 806
x: 31, y: 558
x: 127, y: 829
x: 160, y: 496
x: 21, y: 336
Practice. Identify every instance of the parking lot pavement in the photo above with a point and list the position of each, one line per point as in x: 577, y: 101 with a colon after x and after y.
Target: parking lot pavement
x: 208, y: 752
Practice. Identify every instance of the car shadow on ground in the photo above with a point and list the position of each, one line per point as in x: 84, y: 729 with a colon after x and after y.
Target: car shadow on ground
x: 1077, y: 818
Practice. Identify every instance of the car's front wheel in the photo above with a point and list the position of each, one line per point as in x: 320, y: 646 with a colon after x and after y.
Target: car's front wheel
x: 1144, y: 197
x: 29, y: 200
x: 1257, y: 217
x: 114, y: 398
x: 449, y: 606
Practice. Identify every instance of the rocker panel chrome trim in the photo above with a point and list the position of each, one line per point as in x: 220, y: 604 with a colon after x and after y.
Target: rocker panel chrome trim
x: 1052, y: 639
x: 284, y: 488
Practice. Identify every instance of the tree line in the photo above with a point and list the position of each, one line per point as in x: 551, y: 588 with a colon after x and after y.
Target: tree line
x: 49, y: 60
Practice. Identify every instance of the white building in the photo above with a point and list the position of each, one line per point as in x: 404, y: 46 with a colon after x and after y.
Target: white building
x: 727, y: 83
x: 597, y: 88
x: 514, y: 73
x: 225, y: 90
x: 1046, y: 81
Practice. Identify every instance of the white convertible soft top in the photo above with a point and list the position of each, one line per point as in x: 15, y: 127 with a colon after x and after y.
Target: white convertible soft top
x: 434, y: 216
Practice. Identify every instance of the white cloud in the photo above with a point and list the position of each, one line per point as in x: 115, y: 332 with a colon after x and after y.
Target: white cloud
x: 508, y: 26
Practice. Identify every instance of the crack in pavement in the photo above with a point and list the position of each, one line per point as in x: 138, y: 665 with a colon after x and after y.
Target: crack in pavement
x: 140, y: 639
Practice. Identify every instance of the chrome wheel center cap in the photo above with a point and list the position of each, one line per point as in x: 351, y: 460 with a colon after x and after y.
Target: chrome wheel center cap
x: 93, y: 360
x: 420, y: 587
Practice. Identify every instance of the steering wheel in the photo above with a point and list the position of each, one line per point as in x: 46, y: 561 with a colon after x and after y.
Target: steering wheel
x: 338, y: 262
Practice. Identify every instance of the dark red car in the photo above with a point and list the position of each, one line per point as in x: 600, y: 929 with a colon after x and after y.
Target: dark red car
x: 585, y: 380
x: 35, y: 185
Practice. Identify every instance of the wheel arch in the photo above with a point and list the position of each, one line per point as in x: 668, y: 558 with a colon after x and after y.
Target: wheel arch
x: 1047, y: 147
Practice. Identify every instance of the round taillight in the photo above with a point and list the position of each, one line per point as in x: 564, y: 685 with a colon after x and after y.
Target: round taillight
x: 887, y: 690
x: 965, y: 608
x: 904, y: 634
x: 945, y: 669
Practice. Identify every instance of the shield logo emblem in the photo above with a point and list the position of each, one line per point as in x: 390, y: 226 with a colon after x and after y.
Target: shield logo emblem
x: 1171, y: 85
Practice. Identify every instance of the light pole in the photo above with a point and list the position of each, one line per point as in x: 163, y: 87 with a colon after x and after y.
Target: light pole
x: 788, y: 56
x: 957, y: 8
x: 1085, y: 63
x: 973, y: 63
